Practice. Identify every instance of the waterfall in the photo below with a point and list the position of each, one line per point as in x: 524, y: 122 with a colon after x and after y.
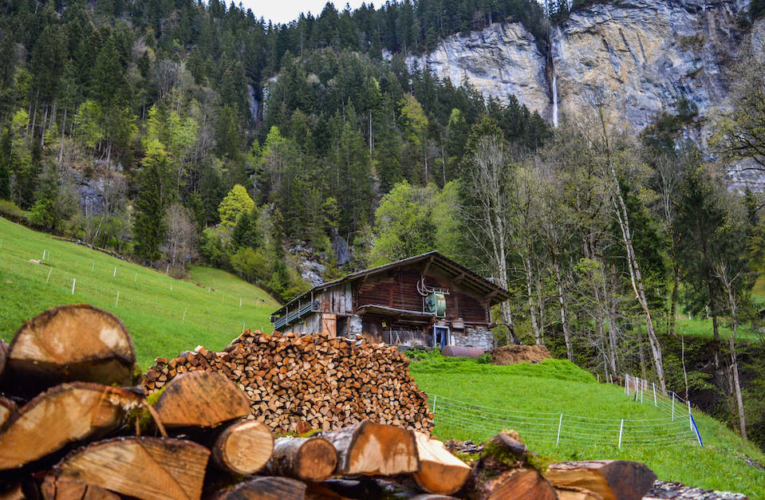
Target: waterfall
x: 556, y: 40
x: 253, y: 103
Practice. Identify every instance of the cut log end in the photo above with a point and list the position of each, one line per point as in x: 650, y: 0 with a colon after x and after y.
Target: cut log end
x: 368, y: 448
x: 611, y: 479
x: 518, y: 483
x: 69, y: 489
x: 201, y: 399
x: 310, y: 459
x: 265, y: 488
x: 243, y: 447
x: 7, y: 409
x: 140, y: 467
x: 69, y: 343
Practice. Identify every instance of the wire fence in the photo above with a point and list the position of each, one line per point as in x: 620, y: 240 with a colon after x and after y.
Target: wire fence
x: 675, y: 425
x: 121, y: 286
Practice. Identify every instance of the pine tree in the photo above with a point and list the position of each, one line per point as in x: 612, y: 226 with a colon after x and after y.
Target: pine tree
x: 152, y: 202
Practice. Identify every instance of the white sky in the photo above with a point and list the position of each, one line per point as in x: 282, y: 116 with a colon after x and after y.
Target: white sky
x: 284, y: 11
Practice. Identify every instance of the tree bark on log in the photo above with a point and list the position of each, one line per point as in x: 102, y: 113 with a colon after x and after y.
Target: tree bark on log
x: 69, y: 489
x: 7, y: 409
x: 140, y: 467
x: 516, y: 483
x: 308, y: 459
x: 611, y: 479
x: 573, y: 493
x: 265, y: 488
x: 243, y: 447
x: 66, y: 344
x: 441, y: 472
x: 372, y: 449
x: 201, y: 399
x: 68, y: 413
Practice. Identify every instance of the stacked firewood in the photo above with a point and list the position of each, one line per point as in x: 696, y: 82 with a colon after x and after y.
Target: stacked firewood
x: 313, y: 381
x: 72, y: 425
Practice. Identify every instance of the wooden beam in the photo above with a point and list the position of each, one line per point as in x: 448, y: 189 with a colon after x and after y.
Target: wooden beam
x: 427, y: 265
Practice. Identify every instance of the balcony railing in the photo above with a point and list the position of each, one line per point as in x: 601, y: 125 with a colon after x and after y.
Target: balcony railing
x: 292, y: 316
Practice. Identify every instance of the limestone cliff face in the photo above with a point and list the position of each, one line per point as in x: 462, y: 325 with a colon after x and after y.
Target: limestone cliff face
x: 647, y: 55
x: 502, y: 59
x: 644, y: 56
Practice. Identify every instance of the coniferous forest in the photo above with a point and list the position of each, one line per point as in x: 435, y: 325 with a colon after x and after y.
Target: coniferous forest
x: 177, y: 131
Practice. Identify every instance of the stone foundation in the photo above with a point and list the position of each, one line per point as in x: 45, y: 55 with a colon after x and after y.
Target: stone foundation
x: 482, y: 338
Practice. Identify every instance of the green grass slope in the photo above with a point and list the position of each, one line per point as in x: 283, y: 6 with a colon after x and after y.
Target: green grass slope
x: 164, y: 315
x: 557, y: 386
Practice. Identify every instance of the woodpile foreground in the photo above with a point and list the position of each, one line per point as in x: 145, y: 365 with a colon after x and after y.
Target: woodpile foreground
x: 315, y: 381
x: 70, y: 431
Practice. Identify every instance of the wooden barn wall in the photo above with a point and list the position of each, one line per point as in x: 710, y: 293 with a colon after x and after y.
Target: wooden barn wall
x: 337, y: 300
x: 398, y: 289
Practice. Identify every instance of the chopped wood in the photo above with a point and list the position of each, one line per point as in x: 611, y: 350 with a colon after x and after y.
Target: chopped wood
x: 201, y: 399
x: 3, y: 357
x: 69, y: 489
x: 310, y: 459
x: 7, y: 409
x: 65, y: 414
x: 611, y: 479
x: 243, y: 447
x: 368, y: 448
x: 516, y: 483
x: 573, y: 493
x: 441, y: 472
x: 265, y: 488
x: 11, y: 491
x: 296, y: 383
x: 69, y: 343
x: 140, y: 467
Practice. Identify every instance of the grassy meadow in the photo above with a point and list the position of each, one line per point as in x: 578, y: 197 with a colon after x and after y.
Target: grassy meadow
x: 164, y: 315
x: 557, y: 386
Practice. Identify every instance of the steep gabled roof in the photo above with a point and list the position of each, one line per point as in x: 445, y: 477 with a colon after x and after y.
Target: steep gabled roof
x: 472, y: 280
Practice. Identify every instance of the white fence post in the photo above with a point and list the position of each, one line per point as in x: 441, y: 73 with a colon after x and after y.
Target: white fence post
x: 560, y: 424
x: 621, y: 431
x: 114, y: 274
x: 48, y: 278
x: 240, y: 301
x: 690, y: 419
x: 435, y: 402
x: 654, y: 395
x: 183, y: 320
x: 673, y: 406
x: 74, y: 281
x: 117, y: 302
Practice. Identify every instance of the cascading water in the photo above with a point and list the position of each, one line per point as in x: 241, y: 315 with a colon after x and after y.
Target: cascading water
x: 556, y: 39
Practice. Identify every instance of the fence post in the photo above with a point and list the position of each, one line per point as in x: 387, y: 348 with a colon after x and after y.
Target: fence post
x: 48, y: 278
x: 114, y: 274
x: 560, y: 424
x: 690, y: 415
x: 117, y: 302
x: 435, y: 402
x: 654, y: 395
x: 621, y: 431
x: 642, y: 390
x: 673, y: 406
x: 74, y: 281
x: 183, y: 320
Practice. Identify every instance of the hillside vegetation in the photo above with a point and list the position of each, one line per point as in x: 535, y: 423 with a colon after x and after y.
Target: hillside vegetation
x: 558, y: 386
x: 164, y: 315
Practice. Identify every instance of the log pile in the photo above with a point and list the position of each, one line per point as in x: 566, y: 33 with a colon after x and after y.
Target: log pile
x: 82, y: 436
x: 315, y: 381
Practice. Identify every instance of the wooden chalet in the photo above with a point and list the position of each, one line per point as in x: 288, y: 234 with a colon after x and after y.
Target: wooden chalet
x: 424, y: 300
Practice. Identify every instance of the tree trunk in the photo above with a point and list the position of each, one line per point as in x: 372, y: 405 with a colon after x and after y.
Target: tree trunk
x: 673, y: 301
x: 265, y: 488
x: 68, y: 413
x: 307, y: 459
x: 563, y: 314
x: 141, y: 467
x: 243, y: 447
x: 532, y: 307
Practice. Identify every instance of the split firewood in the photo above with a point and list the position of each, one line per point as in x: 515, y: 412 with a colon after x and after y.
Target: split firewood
x: 373, y: 449
x: 3, y: 357
x: 69, y: 489
x: 201, y: 399
x: 65, y: 414
x: 429, y: 496
x: 265, y: 488
x: 11, y: 491
x: 296, y: 383
x: 573, y: 493
x: 441, y: 472
x: 69, y: 343
x: 7, y: 409
x: 502, y: 472
x: 309, y: 459
x: 243, y: 447
x: 611, y: 479
x: 140, y: 467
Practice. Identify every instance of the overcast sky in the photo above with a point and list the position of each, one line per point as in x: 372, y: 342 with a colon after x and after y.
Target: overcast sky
x: 284, y: 11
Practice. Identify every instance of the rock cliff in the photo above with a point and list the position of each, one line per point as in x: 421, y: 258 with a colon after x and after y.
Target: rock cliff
x: 644, y: 56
